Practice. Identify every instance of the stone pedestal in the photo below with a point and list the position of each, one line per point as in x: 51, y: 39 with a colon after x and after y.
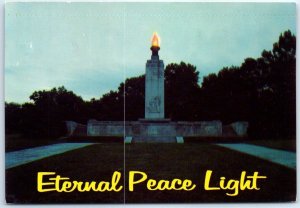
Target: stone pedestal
x: 154, y: 131
x: 154, y: 89
x: 154, y: 128
x: 153, y: 139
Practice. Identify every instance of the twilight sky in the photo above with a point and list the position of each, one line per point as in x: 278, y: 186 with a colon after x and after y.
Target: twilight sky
x: 91, y: 47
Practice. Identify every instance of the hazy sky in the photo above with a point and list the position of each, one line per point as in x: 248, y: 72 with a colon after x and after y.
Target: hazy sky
x: 91, y: 47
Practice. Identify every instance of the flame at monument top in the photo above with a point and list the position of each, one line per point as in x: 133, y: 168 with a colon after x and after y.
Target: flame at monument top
x: 155, y: 40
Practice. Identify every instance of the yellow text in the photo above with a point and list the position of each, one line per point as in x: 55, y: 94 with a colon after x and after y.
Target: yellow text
x: 49, y: 181
x: 245, y: 182
x: 137, y: 177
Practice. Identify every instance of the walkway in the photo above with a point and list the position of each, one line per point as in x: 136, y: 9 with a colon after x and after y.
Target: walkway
x: 16, y: 158
x: 281, y: 157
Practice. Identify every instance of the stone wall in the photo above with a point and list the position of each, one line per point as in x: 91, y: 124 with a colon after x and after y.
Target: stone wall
x: 151, y: 128
x: 203, y: 128
x: 76, y: 129
x: 240, y: 128
x: 105, y: 128
x: 71, y: 126
x: 156, y: 128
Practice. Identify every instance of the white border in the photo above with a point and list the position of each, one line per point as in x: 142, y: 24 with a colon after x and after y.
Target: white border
x: 221, y: 205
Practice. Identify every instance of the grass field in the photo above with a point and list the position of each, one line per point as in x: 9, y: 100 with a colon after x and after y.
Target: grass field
x: 159, y: 161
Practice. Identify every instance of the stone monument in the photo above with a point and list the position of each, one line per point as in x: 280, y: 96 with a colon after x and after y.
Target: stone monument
x: 154, y: 127
x: 154, y: 84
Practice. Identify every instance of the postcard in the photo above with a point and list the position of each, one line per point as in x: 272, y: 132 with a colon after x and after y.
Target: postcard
x: 122, y: 102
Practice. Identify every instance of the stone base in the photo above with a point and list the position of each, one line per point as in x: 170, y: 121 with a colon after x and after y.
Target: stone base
x: 153, y: 139
x: 149, y: 120
x: 153, y: 128
x: 162, y: 128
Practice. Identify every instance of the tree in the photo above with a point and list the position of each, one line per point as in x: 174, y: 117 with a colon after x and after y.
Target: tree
x: 279, y: 87
x: 261, y: 91
x: 225, y: 96
x: 182, y: 92
x: 111, y: 106
x: 134, y: 98
x: 50, y: 108
x: 12, y: 117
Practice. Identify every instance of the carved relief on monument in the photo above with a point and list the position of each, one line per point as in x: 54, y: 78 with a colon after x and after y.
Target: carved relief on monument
x: 154, y: 105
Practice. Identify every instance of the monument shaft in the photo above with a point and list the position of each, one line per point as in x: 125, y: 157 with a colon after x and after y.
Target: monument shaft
x: 154, y: 89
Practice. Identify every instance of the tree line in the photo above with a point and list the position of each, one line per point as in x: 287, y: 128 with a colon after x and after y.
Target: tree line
x: 261, y: 91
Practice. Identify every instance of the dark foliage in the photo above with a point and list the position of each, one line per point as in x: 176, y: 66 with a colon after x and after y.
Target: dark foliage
x: 182, y: 92
x: 261, y: 91
x: 46, y: 115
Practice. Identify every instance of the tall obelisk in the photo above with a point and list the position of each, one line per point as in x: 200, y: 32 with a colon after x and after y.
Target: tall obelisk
x: 154, y: 89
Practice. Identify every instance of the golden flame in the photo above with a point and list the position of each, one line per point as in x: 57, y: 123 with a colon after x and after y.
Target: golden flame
x: 155, y: 40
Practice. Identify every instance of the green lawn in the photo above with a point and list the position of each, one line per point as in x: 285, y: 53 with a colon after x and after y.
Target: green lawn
x: 159, y: 161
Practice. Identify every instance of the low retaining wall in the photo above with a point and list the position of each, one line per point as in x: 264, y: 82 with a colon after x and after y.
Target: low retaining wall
x: 105, y: 128
x: 76, y: 129
x: 151, y: 128
x: 240, y: 128
x: 144, y: 128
